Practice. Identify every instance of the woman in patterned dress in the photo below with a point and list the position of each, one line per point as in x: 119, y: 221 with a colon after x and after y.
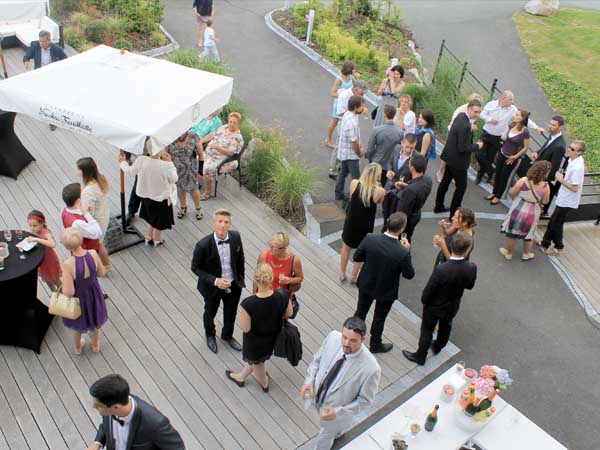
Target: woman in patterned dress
x: 185, y: 152
x: 530, y: 193
x: 226, y: 141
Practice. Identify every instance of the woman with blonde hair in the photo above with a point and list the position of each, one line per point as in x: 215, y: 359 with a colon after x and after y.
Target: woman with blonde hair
x: 157, y: 176
x: 405, y: 117
x: 79, y: 279
x: 261, y: 318
x: 365, y: 194
x: 93, y: 193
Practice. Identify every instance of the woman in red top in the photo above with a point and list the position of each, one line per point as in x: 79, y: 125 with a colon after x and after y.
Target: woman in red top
x: 281, y: 260
x: 49, y: 270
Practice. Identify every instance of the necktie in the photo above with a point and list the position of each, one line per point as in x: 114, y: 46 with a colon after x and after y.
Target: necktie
x: 329, y: 378
x: 543, y: 147
x: 119, y: 421
x: 223, y: 242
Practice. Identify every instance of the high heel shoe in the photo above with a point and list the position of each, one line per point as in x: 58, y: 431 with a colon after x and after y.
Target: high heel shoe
x: 159, y: 243
x: 266, y: 389
x: 182, y: 212
x: 148, y: 241
x: 199, y: 214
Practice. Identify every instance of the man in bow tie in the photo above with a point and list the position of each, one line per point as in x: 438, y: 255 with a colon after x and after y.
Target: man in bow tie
x: 128, y: 422
x: 219, y: 263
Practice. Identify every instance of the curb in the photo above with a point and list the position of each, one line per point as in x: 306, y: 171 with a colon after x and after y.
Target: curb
x: 165, y: 49
x: 313, y: 227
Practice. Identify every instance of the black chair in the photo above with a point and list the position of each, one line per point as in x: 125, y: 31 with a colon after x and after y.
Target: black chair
x: 235, y: 157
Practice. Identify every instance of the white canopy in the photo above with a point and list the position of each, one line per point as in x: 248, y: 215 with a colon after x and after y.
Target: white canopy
x: 120, y: 98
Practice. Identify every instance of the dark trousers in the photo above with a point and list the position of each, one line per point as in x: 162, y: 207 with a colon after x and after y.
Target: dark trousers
x: 554, y: 232
x: 554, y: 187
x: 411, y: 224
x: 134, y: 201
x: 428, y: 323
x: 382, y: 309
x: 485, y: 156
x: 503, y: 174
x: 460, y: 178
x: 230, y: 305
x: 349, y: 166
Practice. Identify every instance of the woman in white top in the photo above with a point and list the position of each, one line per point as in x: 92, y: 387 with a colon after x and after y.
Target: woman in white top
x: 405, y: 118
x: 93, y: 194
x: 157, y: 176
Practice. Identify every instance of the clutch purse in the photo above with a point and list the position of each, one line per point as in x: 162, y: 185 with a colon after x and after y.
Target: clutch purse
x: 63, y: 306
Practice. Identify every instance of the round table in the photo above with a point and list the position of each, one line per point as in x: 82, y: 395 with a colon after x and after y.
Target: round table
x: 24, y: 319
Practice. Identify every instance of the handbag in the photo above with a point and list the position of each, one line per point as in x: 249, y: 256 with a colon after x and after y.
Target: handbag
x: 63, y: 306
x: 293, y: 288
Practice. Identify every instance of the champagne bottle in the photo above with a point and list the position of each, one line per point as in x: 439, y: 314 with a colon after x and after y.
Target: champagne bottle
x: 486, y: 403
x: 432, y: 418
x: 470, y: 408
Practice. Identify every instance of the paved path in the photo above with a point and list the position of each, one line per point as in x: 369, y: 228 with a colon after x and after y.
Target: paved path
x: 521, y: 315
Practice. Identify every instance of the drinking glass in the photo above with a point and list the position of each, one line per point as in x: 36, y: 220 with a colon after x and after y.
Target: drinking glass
x: 1, y: 262
x: 228, y: 290
x: 3, y: 249
x: 19, y: 235
x: 415, y: 428
x: 8, y: 235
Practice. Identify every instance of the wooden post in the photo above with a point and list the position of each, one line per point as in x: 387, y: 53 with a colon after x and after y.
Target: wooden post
x: 4, y: 70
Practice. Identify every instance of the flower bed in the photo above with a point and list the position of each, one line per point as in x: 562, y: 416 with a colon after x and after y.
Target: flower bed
x: 353, y: 30
x: 128, y: 24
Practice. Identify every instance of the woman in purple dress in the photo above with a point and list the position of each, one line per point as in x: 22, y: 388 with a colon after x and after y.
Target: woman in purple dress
x: 530, y: 193
x: 79, y: 279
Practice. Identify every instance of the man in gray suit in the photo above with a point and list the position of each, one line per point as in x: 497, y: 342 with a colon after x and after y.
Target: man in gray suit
x: 382, y: 142
x: 341, y: 380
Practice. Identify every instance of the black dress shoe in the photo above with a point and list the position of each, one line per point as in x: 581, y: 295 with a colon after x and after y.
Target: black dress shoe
x: 234, y: 344
x: 332, y: 175
x: 381, y: 348
x: 413, y: 357
x: 434, y: 349
x: 211, y: 341
x: 266, y: 389
x: 441, y: 209
x: 228, y: 375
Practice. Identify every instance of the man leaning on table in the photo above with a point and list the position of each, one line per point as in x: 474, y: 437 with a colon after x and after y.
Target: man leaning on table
x: 342, y: 380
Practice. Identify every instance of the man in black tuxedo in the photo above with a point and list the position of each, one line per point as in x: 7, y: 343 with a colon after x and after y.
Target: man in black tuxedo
x: 441, y: 298
x: 457, y: 154
x: 553, y: 150
x: 384, y: 259
x: 219, y: 263
x: 128, y: 422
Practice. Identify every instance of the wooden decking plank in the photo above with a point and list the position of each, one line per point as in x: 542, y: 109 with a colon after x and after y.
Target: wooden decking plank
x: 9, y: 427
x: 34, y: 401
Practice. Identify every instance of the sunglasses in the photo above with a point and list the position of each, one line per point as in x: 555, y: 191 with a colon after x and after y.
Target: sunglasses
x: 574, y: 149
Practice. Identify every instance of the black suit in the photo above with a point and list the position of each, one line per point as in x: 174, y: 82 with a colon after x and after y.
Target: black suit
x: 206, y: 263
x: 411, y: 200
x: 441, y: 301
x: 149, y: 429
x: 390, y: 200
x: 555, y: 154
x: 385, y: 259
x: 457, y: 154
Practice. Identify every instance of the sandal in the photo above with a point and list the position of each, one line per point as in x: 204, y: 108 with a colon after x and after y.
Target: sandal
x: 81, y: 346
x: 495, y: 201
x: 490, y: 197
x: 199, y: 214
x: 158, y: 243
x: 205, y: 196
x: 182, y: 212
x: 228, y: 375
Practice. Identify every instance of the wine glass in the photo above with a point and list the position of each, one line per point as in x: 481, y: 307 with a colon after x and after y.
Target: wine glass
x: 228, y: 290
x: 7, y: 235
x: 19, y: 235
x: 415, y: 428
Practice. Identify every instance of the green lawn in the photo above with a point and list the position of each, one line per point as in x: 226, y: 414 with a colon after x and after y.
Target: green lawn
x: 565, y: 55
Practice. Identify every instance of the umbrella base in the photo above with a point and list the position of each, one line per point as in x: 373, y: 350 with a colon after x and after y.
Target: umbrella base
x: 118, y: 238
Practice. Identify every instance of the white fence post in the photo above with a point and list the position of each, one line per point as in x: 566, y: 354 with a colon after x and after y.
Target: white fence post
x: 311, y: 19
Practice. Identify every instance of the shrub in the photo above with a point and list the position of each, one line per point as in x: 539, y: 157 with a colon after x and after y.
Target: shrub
x: 188, y: 58
x: 62, y: 8
x: 248, y: 130
x: 235, y: 105
x: 158, y: 38
x: 301, y: 11
x: 142, y: 15
x: 75, y: 40
x: 214, y: 66
x: 260, y: 167
x: 444, y: 96
x: 116, y: 26
x: 80, y: 19
x: 123, y: 43
x: 95, y: 30
x: 291, y: 180
x: 419, y: 95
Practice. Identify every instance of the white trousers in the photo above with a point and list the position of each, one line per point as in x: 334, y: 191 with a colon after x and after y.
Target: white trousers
x: 210, y: 51
x: 331, y: 430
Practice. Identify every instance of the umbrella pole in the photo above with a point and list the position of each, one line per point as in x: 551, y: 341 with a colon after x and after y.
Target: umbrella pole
x: 123, y: 216
x: 3, y: 61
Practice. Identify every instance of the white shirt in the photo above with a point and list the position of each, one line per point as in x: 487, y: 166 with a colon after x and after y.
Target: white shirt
x: 349, y: 132
x: 46, y: 58
x: 209, y: 37
x: 553, y: 137
x: 155, y: 177
x: 409, y: 121
x: 574, y: 174
x: 90, y: 229
x: 225, y: 257
x: 503, y: 115
x: 342, y: 101
x: 121, y: 432
x: 457, y: 258
x: 388, y: 234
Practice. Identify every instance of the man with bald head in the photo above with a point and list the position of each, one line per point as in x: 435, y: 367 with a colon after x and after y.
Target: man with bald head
x: 496, y: 115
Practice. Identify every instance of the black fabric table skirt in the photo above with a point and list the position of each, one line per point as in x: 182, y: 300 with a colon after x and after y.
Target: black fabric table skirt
x: 24, y: 319
x: 14, y: 157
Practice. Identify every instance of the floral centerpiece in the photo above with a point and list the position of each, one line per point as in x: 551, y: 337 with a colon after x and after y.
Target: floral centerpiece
x: 476, y: 400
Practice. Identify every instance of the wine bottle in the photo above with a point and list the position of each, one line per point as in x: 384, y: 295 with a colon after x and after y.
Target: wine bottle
x: 432, y: 418
x: 486, y: 403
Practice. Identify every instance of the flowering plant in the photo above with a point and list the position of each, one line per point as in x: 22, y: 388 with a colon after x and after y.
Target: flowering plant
x: 484, y: 386
x: 500, y: 376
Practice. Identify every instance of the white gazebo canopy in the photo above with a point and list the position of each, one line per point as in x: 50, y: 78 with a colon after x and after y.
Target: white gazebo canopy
x: 122, y: 99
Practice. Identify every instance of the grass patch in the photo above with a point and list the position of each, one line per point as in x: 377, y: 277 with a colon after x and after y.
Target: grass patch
x: 565, y: 55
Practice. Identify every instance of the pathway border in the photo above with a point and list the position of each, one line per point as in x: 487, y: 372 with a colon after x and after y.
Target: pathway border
x: 313, y: 231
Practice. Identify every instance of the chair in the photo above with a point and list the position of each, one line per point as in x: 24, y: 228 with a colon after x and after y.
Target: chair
x: 235, y: 157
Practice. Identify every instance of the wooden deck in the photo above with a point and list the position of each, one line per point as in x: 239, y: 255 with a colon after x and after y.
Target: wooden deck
x: 154, y: 336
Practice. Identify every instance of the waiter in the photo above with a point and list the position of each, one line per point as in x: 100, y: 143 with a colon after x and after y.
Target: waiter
x: 497, y: 115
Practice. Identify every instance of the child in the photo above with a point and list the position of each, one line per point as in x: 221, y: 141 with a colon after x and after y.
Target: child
x: 210, y: 43
x: 80, y: 219
x: 49, y: 270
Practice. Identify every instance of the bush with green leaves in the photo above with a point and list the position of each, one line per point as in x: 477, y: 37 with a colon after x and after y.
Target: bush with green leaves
x: 300, y: 12
x: 270, y: 149
x: 95, y: 30
x: 291, y: 180
x: 62, y: 8
x: 80, y: 20
x: 74, y: 39
x: 142, y: 15
x: 123, y: 43
x: 190, y: 58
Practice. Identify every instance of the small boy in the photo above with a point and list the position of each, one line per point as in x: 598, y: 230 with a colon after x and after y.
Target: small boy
x: 210, y: 42
x: 82, y: 220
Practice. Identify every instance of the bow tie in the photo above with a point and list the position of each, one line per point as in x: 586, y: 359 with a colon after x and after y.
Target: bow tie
x: 119, y: 421
x: 223, y: 242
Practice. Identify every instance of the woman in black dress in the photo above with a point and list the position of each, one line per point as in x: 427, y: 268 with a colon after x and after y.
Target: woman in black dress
x: 261, y: 318
x: 365, y: 194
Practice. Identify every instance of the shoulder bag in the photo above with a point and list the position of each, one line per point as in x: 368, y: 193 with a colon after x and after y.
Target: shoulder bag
x: 293, y: 288
x: 63, y: 306
x: 539, y: 202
